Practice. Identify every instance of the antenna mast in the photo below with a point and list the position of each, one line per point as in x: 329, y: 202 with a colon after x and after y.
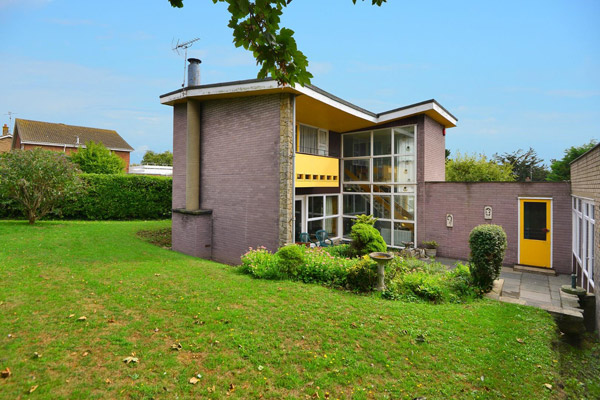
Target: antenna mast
x: 185, y: 46
x: 10, y: 114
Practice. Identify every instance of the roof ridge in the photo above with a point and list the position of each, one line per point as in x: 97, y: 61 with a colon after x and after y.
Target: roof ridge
x: 63, y: 124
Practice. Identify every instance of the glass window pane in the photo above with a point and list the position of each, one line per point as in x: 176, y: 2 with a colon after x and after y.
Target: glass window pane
x: 347, y: 226
x: 382, y: 189
x: 314, y: 226
x: 308, y: 140
x: 404, y: 140
x: 356, y: 204
x: 331, y: 226
x: 382, y: 169
x: 534, y: 220
x: 382, y: 207
x: 382, y: 142
x: 404, y: 169
x: 315, y: 206
x: 403, y: 233
x: 404, y: 189
x: 357, y: 144
x: 404, y: 207
x: 357, y: 188
x: 356, y: 170
x: 331, y: 205
x: 385, y: 228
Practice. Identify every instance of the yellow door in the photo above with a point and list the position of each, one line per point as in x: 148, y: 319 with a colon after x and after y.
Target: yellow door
x: 534, y: 232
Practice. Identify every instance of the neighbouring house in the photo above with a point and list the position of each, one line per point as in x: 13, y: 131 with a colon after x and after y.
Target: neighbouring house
x: 5, y: 140
x: 256, y: 164
x: 29, y: 134
x: 585, y: 186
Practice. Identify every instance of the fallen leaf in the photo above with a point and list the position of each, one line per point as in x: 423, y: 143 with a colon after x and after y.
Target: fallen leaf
x: 548, y: 386
x: 193, y: 380
x: 218, y: 308
x: 107, y: 381
x: 520, y: 340
x: 111, y: 321
x: 71, y: 315
x: 198, y: 322
x: 156, y: 274
x: 32, y: 389
x: 6, y: 373
x: 130, y: 359
x: 211, y: 389
x: 86, y: 353
x: 420, y: 338
x: 82, y: 318
x: 37, y: 355
x: 155, y: 329
x: 176, y: 346
x: 231, y: 387
x: 260, y: 367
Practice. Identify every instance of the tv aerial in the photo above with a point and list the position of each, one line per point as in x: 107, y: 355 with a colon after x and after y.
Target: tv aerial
x: 177, y: 47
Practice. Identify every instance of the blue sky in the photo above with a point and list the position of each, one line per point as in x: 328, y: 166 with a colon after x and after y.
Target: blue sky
x: 515, y: 73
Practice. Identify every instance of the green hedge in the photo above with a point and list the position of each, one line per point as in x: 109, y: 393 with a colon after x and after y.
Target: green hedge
x: 112, y: 197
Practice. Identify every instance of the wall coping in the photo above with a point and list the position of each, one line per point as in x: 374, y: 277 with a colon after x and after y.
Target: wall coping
x: 191, y: 212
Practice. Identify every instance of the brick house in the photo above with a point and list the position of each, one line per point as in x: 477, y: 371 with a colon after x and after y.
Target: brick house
x: 29, y: 134
x: 256, y: 164
x: 585, y: 185
x: 5, y: 140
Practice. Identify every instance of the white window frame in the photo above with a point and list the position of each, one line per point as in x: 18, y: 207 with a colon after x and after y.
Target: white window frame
x: 319, y: 132
x: 582, y: 246
x: 337, y: 217
x: 395, y: 186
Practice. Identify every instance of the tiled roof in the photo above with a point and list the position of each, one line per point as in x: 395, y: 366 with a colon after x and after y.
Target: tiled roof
x: 66, y: 135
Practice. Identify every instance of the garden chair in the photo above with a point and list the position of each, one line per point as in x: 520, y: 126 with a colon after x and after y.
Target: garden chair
x: 306, y: 240
x: 323, y: 238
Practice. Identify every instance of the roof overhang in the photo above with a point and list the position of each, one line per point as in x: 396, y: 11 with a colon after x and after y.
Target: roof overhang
x: 357, y: 117
x: 72, y: 146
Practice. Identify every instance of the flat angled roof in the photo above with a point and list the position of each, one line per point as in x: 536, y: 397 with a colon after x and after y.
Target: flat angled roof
x: 251, y: 87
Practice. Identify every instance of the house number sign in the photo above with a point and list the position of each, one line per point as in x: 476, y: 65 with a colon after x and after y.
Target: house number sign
x: 487, y: 212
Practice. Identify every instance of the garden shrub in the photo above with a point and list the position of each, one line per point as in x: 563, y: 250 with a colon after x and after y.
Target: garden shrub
x: 95, y: 158
x: 488, y: 245
x: 340, y: 250
x: 366, y: 239
x: 322, y: 267
x: 365, y: 219
x: 460, y: 280
x: 261, y: 264
x: 426, y: 286
x: 363, y: 275
x: 290, y: 259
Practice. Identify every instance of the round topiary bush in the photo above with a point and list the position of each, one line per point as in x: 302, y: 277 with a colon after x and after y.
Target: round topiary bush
x: 488, y: 245
x: 289, y: 259
x: 366, y: 239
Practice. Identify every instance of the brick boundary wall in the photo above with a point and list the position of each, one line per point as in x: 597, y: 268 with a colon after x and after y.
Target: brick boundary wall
x: 465, y: 201
x: 585, y: 182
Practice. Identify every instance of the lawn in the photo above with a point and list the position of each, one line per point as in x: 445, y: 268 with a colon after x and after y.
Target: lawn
x: 239, y: 337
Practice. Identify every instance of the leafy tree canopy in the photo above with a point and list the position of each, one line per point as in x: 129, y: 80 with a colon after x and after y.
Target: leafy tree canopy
x: 94, y: 158
x: 37, y: 180
x: 473, y: 168
x: 152, y: 158
x: 560, y: 170
x: 256, y: 28
x: 526, y: 165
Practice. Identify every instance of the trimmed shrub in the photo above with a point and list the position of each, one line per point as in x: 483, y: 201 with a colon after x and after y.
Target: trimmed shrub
x: 366, y: 239
x: 340, y: 250
x: 488, y: 245
x: 322, y: 267
x: 120, y: 196
x: 261, y: 264
x: 95, y: 158
x: 363, y: 275
x: 365, y: 219
x: 290, y: 259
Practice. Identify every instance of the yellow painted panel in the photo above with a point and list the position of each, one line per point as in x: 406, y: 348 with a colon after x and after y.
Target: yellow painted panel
x: 317, y: 171
x: 535, y: 252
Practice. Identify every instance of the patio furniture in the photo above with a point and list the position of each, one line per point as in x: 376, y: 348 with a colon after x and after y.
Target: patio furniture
x: 306, y: 240
x: 323, y: 238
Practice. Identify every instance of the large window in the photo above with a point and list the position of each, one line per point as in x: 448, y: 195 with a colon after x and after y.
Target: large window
x: 323, y: 212
x: 312, y: 140
x: 583, y: 239
x: 380, y: 179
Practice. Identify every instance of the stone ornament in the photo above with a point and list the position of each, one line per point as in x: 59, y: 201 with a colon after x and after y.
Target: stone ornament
x: 449, y: 220
x: 487, y: 212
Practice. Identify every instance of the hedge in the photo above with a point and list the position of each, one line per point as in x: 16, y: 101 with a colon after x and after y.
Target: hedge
x: 112, y: 197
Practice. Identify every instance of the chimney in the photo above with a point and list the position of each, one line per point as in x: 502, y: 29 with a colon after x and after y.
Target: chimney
x: 194, y: 72
x: 5, y: 130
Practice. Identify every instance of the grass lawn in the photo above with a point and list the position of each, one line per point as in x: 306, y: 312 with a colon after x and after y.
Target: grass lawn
x: 246, y: 338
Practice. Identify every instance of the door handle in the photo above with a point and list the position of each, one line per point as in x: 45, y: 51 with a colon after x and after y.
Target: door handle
x: 545, y: 230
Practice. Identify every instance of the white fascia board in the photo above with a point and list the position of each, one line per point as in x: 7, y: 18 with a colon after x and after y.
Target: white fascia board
x: 216, y: 90
x: 422, y: 108
x: 74, y: 146
x: 444, y: 114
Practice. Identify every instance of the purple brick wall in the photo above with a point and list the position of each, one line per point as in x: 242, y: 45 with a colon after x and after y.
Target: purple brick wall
x: 434, y: 154
x: 240, y: 173
x: 192, y: 234
x: 466, y: 202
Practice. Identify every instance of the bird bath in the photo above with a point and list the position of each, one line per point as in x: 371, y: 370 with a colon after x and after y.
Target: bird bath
x: 381, y: 259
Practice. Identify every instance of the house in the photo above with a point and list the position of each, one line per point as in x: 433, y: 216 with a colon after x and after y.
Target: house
x: 256, y: 164
x: 5, y: 140
x: 585, y: 186
x: 29, y: 134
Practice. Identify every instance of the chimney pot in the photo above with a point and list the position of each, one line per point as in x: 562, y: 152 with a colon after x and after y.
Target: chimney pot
x: 5, y: 130
x: 194, y: 72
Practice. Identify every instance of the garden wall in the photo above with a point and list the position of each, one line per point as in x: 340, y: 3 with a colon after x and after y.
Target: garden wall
x: 466, y: 202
